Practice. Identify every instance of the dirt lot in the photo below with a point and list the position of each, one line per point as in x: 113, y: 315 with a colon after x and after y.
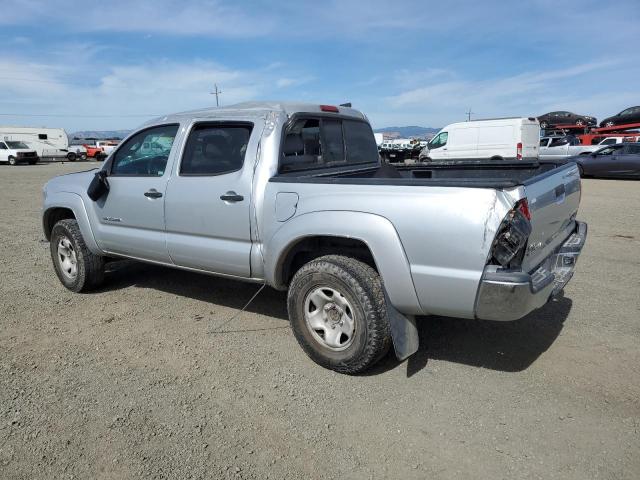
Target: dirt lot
x: 133, y: 380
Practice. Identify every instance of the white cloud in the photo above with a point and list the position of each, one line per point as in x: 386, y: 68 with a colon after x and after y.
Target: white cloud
x: 175, y: 17
x: 124, y: 95
x: 582, y: 88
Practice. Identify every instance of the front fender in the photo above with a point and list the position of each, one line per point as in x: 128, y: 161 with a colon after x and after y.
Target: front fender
x: 73, y: 202
x: 375, y: 231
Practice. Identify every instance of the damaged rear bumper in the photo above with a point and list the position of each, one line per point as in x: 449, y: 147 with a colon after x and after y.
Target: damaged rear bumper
x: 505, y: 295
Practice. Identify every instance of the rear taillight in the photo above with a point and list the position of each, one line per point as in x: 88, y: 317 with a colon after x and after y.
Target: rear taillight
x: 510, y: 243
x: 329, y: 108
x: 519, y: 151
x: 523, y: 206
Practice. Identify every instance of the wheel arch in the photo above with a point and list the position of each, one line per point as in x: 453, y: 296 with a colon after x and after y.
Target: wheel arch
x: 368, y: 237
x: 64, y: 205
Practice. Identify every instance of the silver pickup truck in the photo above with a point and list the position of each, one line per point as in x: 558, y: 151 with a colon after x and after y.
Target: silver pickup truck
x: 294, y: 196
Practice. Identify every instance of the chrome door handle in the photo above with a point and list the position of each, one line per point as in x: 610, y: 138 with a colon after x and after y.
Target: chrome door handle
x: 152, y: 193
x: 231, y: 196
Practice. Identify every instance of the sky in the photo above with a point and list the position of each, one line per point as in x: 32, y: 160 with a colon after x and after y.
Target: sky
x: 103, y: 65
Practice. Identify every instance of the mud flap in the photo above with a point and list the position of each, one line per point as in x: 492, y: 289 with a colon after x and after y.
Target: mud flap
x: 404, y: 332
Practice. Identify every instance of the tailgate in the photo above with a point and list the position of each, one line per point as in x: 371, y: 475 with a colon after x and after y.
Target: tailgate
x: 553, y: 199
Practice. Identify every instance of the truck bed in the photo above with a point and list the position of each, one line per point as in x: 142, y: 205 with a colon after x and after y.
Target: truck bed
x: 463, y: 173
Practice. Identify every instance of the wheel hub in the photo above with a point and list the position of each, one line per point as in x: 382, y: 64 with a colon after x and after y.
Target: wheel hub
x: 330, y: 318
x: 67, y: 258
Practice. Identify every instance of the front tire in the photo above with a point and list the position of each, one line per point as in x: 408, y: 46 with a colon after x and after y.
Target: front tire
x: 544, y: 124
x: 338, y: 313
x: 12, y: 161
x: 71, y: 156
x: 77, y: 267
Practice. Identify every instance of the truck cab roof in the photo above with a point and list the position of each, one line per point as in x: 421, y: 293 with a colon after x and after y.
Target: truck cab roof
x: 252, y: 109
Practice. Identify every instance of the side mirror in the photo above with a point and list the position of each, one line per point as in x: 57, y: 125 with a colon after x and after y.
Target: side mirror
x: 99, y: 186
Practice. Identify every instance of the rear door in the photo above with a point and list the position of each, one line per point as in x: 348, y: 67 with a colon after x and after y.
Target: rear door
x: 207, y: 209
x: 553, y: 199
x: 626, y: 161
x: 530, y: 138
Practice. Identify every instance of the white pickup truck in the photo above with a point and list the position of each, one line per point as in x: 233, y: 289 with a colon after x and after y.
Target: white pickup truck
x: 557, y: 148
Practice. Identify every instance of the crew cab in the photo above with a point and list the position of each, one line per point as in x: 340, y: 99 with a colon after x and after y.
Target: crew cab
x: 14, y: 152
x: 294, y: 196
x: 557, y: 148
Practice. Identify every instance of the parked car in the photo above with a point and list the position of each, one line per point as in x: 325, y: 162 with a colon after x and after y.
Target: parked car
x: 93, y: 151
x: 616, y: 140
x: 495, y: 139
x: 14, y: 152
x: 552, y: 119
x: 75, y: 152
x: 629, y: 115
x: 294, y: 196
x: 621, y: 160
x: 107, y: 146
x: 557, y: 148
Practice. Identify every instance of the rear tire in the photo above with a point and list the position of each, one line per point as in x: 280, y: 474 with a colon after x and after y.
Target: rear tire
x: 544, y: 124
x: 580, y: 122
x: 32, y: 162
x: 334, y: 294
x: 77, y: 267
x: 71, y: 156
x: 609, y: 124
x: 581, y: 170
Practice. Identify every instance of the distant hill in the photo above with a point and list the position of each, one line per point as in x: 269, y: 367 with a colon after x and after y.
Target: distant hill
x: 409, y: 131
x: 99, y: 134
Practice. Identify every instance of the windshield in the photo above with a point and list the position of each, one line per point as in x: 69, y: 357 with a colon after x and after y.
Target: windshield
x: 17, y: 145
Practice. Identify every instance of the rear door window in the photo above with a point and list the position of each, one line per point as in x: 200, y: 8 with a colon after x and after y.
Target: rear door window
x: 215, y: 149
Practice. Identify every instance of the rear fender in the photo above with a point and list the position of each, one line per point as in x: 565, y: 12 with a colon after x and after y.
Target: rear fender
x: 375, y: 231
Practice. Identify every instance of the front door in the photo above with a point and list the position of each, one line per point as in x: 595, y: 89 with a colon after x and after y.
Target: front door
x: 4, y: 152
x: 207, y: 210
x: 131, y: 216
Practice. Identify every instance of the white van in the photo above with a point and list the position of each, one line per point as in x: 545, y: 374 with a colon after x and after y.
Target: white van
x: 494, y: 139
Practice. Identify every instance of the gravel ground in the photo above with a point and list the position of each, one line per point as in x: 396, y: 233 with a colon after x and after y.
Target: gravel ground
x: 138, y: 380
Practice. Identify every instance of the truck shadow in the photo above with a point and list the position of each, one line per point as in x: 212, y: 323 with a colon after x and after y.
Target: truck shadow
x: 504, y: 346
x: 207, y: 288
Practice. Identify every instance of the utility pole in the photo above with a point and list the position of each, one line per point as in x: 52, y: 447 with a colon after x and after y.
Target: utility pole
x: 469, y: 113
x: 216, y: 92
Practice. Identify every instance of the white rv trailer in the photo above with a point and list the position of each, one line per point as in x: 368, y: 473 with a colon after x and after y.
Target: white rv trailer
x: 49, y: 143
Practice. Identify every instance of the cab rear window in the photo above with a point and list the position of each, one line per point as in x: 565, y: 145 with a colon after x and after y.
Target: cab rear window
x: 312, y: 143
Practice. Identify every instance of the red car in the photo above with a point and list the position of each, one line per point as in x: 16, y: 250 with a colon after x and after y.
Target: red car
x: 95, y: 152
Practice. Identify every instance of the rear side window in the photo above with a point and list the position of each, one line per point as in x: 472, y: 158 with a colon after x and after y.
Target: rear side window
x: 633, y: 149
x: 214, y: 149
x: 146, y: 153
